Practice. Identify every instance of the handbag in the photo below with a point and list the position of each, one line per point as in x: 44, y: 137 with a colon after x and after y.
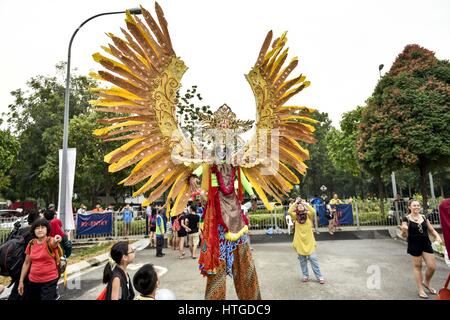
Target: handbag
x: 444, y: 293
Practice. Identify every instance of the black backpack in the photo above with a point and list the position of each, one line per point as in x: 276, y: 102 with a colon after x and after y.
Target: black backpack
x: 12, y: 256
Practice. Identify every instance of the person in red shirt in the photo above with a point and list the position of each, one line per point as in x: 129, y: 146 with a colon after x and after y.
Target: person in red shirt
x: 55, y: 223
x: 39, y: 265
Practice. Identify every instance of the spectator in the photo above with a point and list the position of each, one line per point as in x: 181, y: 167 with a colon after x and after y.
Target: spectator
x: 181, y: 233
x: 127, y: 214
x: 98, y: 208
x: 82, y: 209
x: 39, y: 265
x: 400, y: 205
x: 163, y: 214
x: 304, y: 243
x: 55, y: 224
x: 330, y: 214
x: 146, y: 282
x: 119, y: 285
x: 174, y: 231
x: 415, y: 227
x: 32, y: 215
x: 191, y: 225
x: 56, y: 229
x: 152, y: 234
x: 333, y: 202
x: 160, y: 231
x: 444, y: 212
x: 148, y: 216
x: 110, y: 209
x: 336, y: 200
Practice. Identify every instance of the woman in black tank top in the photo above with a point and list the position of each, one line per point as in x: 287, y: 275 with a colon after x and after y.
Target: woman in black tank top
x: 417, y: 228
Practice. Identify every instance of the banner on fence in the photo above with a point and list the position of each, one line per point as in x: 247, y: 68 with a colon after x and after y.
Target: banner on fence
x: 344, y: 213
x: 96, y: 223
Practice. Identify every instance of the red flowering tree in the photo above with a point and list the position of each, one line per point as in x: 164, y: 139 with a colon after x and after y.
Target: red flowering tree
x: 406, y: 122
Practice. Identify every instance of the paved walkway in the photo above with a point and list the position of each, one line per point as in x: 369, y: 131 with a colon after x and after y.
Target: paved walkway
x: 374, y: 268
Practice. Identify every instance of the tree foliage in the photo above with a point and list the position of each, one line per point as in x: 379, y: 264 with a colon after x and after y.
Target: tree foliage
x: 406, y: 119
x: 9, y: 148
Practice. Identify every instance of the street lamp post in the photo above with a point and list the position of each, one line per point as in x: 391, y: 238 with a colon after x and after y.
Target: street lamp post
x: 393, y: 181
x: 63, y: 186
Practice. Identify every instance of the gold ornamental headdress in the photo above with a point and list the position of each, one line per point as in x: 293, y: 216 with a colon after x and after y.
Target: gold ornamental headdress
x: 225, y: 118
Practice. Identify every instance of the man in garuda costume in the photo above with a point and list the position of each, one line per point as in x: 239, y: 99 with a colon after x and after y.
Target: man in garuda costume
x: 145, y: 74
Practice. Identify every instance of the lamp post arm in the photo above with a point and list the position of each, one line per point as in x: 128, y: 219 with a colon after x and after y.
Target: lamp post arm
x: 62, y: 187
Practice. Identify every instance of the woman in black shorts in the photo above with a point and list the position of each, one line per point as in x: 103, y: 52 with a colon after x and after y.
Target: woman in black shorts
x: 416, y: 227
x: 182, y: 234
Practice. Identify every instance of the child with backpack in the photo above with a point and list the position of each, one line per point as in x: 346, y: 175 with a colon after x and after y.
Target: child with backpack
x: 146, y: 282
x: 115, y: 276
x: 12, y: 253
x: 42, y: 259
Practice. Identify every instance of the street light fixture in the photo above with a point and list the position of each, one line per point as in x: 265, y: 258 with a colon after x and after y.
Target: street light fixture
x: 62, y: 186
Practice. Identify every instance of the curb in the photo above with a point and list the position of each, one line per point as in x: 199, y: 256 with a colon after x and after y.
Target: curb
x: 97, y: 260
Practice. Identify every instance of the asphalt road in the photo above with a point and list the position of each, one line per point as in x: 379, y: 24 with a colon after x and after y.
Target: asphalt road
x: 370, y: 267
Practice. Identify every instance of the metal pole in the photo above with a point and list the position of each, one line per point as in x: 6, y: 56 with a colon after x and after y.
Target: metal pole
x: 62, y: 186
x: 357, y: 215
x: 432, y: 186
x: 394, y: 185
x: 316, y: 229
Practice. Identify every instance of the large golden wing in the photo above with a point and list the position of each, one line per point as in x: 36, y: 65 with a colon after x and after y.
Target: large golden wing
x: 273, y: 149
x: 145, y: 74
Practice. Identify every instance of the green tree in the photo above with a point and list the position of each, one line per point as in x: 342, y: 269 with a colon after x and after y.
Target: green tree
x: 320, y: 167
x: 9, y: 148
x: 36, y: 118
x: 92, y: 178
x: 341, y: 146
x: 406, y: 119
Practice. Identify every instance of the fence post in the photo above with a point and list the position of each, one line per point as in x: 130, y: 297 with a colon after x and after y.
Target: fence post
x: 115, y: 223
x: 397, y: 219
x: 357, y: 215
x: 316, y: 226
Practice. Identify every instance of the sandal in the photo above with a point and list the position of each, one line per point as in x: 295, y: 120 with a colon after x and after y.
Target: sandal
x: 181, y: 257
x: 423, y: 297
x: 305, y: 279
x: 430, y: 290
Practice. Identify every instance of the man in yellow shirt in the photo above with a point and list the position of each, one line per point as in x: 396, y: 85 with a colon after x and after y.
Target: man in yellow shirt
x: 304, y: 242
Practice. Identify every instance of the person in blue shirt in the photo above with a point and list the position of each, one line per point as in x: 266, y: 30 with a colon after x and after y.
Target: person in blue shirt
x: 127, y: 217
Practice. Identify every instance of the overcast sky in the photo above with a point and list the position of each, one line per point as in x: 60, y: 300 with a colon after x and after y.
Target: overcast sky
x: 339, y: 43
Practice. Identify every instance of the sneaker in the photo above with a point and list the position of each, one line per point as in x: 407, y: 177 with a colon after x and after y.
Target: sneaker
x: 305, y: 279
x: 321, y: 280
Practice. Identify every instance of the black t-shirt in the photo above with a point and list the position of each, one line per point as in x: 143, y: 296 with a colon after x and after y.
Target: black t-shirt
x: 417, y: 230
x: 193, y: 220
